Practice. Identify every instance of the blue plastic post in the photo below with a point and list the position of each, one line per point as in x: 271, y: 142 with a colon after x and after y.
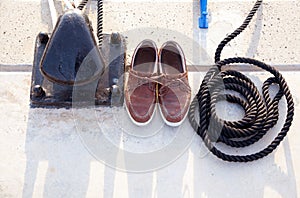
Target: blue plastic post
x: 203, y: 23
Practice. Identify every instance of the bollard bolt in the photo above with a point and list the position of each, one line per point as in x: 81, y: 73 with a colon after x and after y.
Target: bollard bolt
x: 43, y: 37
x: 115, y: 38
x: 38, y: 91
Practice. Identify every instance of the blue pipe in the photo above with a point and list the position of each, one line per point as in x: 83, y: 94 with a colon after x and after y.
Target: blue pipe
x: 203, y: 22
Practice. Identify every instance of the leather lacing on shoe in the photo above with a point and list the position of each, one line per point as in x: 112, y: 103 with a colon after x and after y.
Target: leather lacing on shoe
x: 172, y: 81
x: 144, y: 80
x: 169, y: 83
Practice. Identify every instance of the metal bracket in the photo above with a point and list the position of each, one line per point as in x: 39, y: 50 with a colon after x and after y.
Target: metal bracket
x: 108, y: 87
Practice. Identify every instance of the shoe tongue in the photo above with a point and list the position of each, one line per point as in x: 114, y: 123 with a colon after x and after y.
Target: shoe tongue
x: 71, y: 50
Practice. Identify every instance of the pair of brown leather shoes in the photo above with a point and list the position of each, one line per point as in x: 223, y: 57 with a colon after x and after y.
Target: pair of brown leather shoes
x: 157, y: 77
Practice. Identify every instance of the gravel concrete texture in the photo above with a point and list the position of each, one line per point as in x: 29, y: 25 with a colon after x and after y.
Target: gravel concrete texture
x: 272, y: 36
x: 20, y: 22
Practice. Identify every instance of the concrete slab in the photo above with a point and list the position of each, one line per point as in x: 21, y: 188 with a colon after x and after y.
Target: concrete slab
x: 53, y: 153
x: 272, y: 36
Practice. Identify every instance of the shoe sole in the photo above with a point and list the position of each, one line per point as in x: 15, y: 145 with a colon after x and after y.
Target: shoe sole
x: 140, y: 123
x: 172, y: 124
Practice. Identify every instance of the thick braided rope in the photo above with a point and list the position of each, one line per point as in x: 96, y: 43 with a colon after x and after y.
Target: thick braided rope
x: 261, y: 112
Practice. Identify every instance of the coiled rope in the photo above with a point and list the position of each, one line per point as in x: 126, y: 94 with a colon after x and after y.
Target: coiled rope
x: 99, y: 18
x: 100, y: 22
x: 261, y: 112
x: 82, y: 4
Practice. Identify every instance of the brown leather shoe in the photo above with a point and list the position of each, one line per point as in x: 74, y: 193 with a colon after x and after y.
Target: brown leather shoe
x: 174, y: 92
x: 140, y: 88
